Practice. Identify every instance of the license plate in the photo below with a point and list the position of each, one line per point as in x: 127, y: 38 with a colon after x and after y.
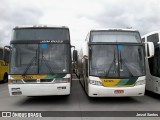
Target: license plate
x: 118, y: 91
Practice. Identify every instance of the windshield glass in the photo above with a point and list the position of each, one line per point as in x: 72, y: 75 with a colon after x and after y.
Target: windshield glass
x: 41, y: 34
x: 117, y: 61
x: 54, y: 58
x: 39, y: 58
x: 115, y: 36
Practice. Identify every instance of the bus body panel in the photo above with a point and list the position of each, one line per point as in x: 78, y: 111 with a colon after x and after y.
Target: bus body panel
x: 31, y: 85
x: 3, y: 70
x: 100, y: 91
x: 129, y: 90
x: 39, y: 89
x: 153, y: 84
x: 4, y: 64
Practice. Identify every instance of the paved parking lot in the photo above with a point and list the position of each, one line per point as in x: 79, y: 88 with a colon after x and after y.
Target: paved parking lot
x: 78, y: 101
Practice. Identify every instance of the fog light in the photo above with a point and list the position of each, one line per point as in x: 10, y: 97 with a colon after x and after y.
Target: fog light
x: 15, y: 89
x: 17, y: 93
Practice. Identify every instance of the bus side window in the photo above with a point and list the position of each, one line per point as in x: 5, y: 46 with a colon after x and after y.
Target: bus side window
x: 154, y: 63
x: 153, y: 38
x: 86, y: 67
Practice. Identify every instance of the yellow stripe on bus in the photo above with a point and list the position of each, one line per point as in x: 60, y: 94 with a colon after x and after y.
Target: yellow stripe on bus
x: 110, y: 82
x: 19, y: 77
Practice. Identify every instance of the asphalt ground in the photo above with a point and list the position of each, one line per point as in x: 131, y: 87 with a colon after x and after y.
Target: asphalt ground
x: 79, y: 101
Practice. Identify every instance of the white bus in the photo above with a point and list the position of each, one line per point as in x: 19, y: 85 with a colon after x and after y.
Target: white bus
x: 40, y: 62
x: 153, y: 63
x: 112, y: 63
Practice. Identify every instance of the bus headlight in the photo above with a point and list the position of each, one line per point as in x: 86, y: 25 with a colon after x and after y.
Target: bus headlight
x: 62, y: 80
x: 140, y: 82
x: 93, y: 82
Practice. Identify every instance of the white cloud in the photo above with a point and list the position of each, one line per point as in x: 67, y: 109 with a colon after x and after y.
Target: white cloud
x: 15, y: 13
x: 80, y: 15
x: 141, y: 15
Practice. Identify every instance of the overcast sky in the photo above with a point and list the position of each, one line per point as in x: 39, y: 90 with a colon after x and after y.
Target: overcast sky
x: 79, y: 15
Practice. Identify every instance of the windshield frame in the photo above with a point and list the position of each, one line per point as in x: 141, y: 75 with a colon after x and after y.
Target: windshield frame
x: 68, y: 58
x: 126, y: 44
x: 23, y: 29
x: 115, y: 31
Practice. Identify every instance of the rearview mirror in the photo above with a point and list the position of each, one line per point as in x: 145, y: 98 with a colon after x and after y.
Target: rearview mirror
x: 149, y: 50
x: 6, y: 53
x: 75, y: 55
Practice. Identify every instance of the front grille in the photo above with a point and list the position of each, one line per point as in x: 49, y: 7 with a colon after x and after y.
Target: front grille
x: 30, y: 81
x: 38, y: 81
x: 46, y: 80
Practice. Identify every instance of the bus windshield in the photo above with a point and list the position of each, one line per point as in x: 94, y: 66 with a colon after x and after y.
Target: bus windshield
x: 115, y: 36
x: 40, y: 34
x: 39, y: 58
x: 117, y: 61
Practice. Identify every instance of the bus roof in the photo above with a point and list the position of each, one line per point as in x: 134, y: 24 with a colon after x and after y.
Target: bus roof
x: 151, y: 33
x: 38, y: 26
x: 115, y: 29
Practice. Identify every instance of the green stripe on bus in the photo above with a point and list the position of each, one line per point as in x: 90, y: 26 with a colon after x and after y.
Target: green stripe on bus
x: 122, y: 82
x: 127, y: 81
x: 55, y: 76
x: 132, y: 81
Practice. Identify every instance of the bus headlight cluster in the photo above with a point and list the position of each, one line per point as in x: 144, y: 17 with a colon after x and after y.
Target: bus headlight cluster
x: 61, y: 80
x: 93, y: 82
x: 140, y: 82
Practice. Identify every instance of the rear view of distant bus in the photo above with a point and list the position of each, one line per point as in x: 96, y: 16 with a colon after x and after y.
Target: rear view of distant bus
x: 4, y: 59
x: 40, y: 61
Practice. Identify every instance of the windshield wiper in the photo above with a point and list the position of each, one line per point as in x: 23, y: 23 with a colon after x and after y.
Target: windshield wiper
x: 47, y: 64
x: 113, y: 63
x: 123, y: 60
x: 29, y: 65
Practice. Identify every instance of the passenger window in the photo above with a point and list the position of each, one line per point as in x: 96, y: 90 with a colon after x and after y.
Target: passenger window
x: 153, y: 38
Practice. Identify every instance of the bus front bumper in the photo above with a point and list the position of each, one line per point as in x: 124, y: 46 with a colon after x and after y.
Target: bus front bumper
x: 39, y: 89
x: 101, y: 91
